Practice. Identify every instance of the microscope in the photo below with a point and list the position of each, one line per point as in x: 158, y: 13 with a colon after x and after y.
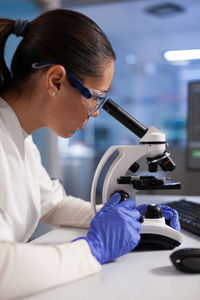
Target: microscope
x: 122, y: 177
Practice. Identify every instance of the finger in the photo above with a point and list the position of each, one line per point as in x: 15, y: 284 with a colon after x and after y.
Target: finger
x: 135, y: 232
x: 167, y: 208
x: 114, y: 200
x: 137, y: 226
x: 172, y: 215
x: 131, y: 213
x: 128, y: 203
x: 167, y: 212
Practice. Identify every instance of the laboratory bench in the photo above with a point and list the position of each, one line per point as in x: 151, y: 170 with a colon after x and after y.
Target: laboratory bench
x: 139, y: 275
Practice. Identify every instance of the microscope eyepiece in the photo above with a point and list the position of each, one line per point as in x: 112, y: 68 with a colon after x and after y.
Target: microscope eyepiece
x: 124, y: 118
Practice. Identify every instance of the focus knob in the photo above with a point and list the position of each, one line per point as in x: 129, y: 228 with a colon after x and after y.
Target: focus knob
x: 153, y: 211
x: 124, y: 195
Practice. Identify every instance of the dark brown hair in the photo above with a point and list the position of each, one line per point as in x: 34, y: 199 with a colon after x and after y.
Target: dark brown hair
x: 60, y: 36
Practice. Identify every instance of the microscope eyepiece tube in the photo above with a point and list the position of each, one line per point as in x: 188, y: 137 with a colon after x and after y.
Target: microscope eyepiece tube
x: 124, y: 118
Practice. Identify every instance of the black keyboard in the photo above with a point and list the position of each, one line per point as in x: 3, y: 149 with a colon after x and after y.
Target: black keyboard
x: 189, y: 214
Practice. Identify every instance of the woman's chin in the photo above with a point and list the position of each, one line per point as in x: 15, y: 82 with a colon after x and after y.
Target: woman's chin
x: 66, y: 134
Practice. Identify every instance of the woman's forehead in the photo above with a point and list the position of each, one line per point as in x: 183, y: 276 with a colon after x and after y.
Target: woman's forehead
x: 102, y: 82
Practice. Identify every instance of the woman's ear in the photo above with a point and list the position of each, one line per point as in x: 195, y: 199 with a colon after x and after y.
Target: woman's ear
x: 55, y: 77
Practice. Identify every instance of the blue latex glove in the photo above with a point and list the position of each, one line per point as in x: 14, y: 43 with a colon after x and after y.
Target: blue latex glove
x: 170, y: 215
x: 115, y: 229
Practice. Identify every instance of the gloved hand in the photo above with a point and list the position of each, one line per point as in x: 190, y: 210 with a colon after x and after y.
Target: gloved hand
x: 115, y: 229
x: 170, y: 215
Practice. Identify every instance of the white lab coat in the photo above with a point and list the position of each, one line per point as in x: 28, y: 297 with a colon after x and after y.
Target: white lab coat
x: 27, y: 195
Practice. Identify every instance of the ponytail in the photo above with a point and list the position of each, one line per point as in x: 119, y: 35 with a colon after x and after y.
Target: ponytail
x: 60, y: 36
x: 6, y: 28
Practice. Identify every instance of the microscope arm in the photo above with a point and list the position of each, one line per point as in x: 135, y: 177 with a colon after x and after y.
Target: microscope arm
x: 120, y: 165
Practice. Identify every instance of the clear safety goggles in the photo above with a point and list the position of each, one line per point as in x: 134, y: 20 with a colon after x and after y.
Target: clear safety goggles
x: 93, y: 99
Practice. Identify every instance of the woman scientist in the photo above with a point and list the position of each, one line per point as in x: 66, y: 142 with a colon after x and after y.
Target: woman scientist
x: 59, y: 76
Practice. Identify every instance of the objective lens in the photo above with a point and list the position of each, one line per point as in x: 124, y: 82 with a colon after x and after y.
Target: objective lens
x: 167, y: 164
x: 164, y: 161
x: 153, y: 167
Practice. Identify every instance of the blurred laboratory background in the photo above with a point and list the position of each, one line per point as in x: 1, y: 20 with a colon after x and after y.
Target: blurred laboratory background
x: 149, y: 83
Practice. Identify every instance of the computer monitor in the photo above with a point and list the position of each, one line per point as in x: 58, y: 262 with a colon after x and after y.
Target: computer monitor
x: 193, y: 126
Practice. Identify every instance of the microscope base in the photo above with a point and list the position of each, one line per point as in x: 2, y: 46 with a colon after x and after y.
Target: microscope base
x: 156, y: 242
x: 157, y: 235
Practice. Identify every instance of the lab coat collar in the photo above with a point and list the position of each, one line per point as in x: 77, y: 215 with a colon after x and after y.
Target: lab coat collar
x: 13, y: 125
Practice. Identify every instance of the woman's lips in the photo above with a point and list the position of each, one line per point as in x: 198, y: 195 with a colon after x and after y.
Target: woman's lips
x: 81, y: 127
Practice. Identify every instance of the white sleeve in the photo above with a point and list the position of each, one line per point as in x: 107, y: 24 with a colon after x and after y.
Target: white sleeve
x: 5, y: 227
x: 72, y: 211
x: 51, y: 191
x: 57, y: 208
x: 26, y: 269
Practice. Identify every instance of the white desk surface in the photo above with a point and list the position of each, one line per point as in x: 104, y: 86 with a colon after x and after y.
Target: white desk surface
x: 144, y: 275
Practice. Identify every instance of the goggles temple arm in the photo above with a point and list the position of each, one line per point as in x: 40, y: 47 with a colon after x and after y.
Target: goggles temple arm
x: 82, y: 89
